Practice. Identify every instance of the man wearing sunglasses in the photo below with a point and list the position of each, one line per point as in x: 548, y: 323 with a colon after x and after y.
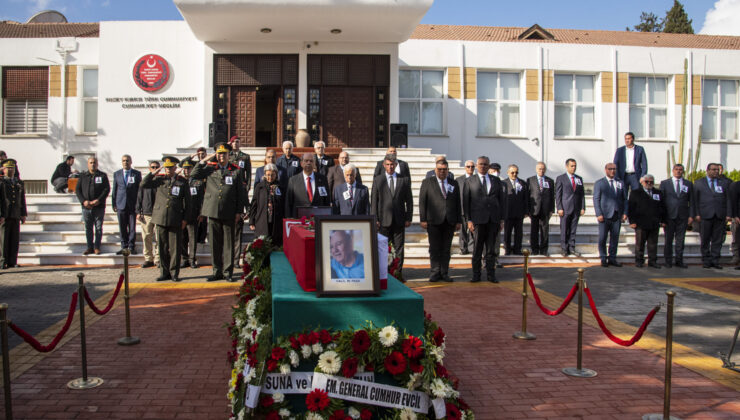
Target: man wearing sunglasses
x: 610, y: 202
x: 516, y: 193
x: 646, y: 211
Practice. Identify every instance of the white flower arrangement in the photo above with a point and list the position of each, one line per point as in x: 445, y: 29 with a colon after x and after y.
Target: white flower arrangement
x: 388, y: 336
x: 330, y: 363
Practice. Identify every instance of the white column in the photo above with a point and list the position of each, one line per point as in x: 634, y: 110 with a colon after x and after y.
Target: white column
x: 302, y: 88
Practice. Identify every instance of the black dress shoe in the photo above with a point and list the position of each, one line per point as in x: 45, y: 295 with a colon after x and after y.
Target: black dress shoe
x: 214, y: 278
x: 604, y: 264
x: 447, y: 279
x: 120, y: 251
x: 668, y: 265
x: 132, y: 250
x: 176, y: 279
x: 615, y: 263
x: 87, y: 252
x: 654, y: 265
x: 163, y: 278
x: 707, y: 265
x: 639, y: 265
x: 147, y: 264
x: 499, y: 265
x: 493, y: 279
x: 434, y: 280
x: 717, y: 266
x: 681, y: 265
x: 575, y: 254
x: 475, y: 280
x: 193, y: 264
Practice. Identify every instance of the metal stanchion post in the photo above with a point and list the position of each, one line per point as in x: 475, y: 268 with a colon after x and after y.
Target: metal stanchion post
x: 6, y: 360
x: 523, y: 334
x: 668, y: 364
x: 127, y: 340
x: 84, y: 382
x: 579, y: 371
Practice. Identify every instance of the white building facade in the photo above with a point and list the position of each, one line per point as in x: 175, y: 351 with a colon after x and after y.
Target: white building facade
x: 257, y: 70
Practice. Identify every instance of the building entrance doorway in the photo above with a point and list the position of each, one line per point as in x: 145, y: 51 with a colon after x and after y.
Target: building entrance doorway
x: 268, y: 107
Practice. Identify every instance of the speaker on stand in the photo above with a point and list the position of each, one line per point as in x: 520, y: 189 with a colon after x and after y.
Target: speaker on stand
x: 400, y: 135
x: 217, y: 132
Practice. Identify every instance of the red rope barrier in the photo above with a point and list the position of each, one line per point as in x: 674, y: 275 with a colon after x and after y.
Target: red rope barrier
x: 562, y: 307
x: 110, y: 304
x: 617, y: 340
x: 28, y: 338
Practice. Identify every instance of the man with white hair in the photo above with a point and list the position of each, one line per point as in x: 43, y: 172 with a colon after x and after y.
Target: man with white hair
x: 336, y: 173
x: 321, y: 162
x: 351, y: 197
x: 288, y: 161
x: 646, y: 213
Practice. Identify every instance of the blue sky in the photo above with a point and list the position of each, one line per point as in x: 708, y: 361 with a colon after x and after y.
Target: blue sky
x: 576, y: 14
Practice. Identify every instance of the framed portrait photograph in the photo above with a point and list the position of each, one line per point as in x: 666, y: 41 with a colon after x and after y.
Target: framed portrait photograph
x: 346, y: 256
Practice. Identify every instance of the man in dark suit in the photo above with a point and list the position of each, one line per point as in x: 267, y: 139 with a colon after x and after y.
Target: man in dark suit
x: 647, y: 214
x: 125, y: 190
x: 321, y: 161
x: 712, y: 209
x: 466, y: 238
x: 735, y: 226
x: 570, y: 200
x: 402, y: 168
x: 13, y: 213
x: 271, y: 157
x: 336, y: 173
x: 351, y: 197
x: 440, y: 215
x: 392, y: 204
x: 631, y: 163
x: 541, y: 207
x: 288, y: 161
x: 92, y: 190
x: 484, y: 208
x: 308, y: 188
x: 610, y: 202
x: 516, y: 192
x: 432, y: 173
x: 678, y: 197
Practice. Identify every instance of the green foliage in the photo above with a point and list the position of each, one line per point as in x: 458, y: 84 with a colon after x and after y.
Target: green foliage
x: 694, y: 175
x: 677, y: 20
x: 649, y: 22
x: 734, y: 175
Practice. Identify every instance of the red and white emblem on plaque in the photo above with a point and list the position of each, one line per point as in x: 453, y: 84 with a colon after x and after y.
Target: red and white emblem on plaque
x: 151, y: 72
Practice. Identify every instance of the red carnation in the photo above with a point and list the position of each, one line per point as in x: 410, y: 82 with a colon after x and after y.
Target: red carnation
x: 313, y: 337
x: 317, y: 400
x: 294, y: 343
x: 303, y: 340
x: 247, y: 267
x: 339, y: 415
x: 360, y: 342
x: 271, y: 365
x: 439, y: 337
x: 257, y: 244
x: 369, y: 367
x: 395, y: 363
x: 366, y: 414
x: 273, y: 415
x: 441, y: 371
x: 266, y: 401
x: 415, y: 366
x: 452, y: 412
x: 278, y: 353
x: 325, y: 337
x: 412, y: 347
x: 349, y: 367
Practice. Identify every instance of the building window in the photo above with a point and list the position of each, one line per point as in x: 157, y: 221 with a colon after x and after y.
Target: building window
x: 649, y: 107
x: 499, y: 102
x: 575, y: 111
x: 720, y: 113
x: 421, y: 95
x: 25, y: 100
x: 89, y: 100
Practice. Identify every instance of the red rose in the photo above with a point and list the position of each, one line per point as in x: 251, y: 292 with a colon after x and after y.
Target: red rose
x: 360, y: 342
x: 253, y: 348
x: 294, y: 343
x: 317, y: 400
x: 303, y: 340
x: 366, y: 414
x: 247, y: 267
x: 325, y: 337
x: 271, y: 365
x: 415, y: 366
x: 278, y: 353
x: 439, y: 337
x: 266, y: 401
x: 313, y: 337
x: 273, y: 415
x: 441, y: 371
x: 452, y: 412
x: 349, y: 367
x: 257, y: 244
x: 412, y: 347
x: 395, y: 363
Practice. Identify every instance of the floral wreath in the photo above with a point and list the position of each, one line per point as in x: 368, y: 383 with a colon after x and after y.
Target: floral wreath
x: 416, y: 363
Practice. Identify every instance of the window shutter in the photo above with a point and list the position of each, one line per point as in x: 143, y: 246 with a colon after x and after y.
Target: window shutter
x: 25, y: 116
x: 26, y: 83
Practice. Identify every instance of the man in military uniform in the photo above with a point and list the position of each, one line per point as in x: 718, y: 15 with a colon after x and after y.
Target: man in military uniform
x: 170, y: 208
x: 241, y: 160
x: 196, y: 189
x: 12, y: 214
x: 224, y: 204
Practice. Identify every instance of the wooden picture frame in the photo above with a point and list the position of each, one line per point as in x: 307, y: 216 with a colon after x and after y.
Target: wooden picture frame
x: 346, y: 256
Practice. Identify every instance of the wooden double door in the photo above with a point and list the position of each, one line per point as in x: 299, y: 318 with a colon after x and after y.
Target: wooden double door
x: 347, y: 116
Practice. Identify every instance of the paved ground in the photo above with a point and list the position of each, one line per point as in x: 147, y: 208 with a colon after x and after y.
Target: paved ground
x: 180, y: 369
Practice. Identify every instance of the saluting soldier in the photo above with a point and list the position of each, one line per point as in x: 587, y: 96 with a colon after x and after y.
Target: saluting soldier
x: 170, y: 207
x: 12, y: 214
x: 190, y: 234
x: 223, y: 203
x: 241, y: 160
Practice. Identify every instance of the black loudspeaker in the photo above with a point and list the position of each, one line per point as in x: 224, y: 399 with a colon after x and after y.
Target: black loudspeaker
x: 400, y: 135
x: 217, y: 133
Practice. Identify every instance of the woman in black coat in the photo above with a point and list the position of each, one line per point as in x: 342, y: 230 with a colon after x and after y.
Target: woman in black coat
x: 267, y: 208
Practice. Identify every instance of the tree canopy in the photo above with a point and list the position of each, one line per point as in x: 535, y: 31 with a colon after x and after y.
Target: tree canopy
x: 676, y: 21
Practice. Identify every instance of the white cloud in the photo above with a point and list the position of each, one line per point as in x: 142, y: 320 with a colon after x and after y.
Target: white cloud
x: 722, y: 19
x: 38, y: 5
